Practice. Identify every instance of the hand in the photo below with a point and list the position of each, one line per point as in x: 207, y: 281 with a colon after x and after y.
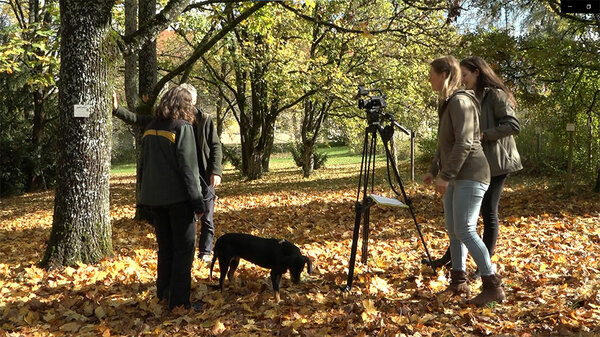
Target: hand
x: 215, y: 180
x: 440, y: 185
x: 199, y: 216
x: 427, y: 178
x: 115, y: 100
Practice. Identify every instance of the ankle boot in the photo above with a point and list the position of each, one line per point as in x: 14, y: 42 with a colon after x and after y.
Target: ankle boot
x: 491, y: 291
x: 442, y: 261
x: 458, y: 283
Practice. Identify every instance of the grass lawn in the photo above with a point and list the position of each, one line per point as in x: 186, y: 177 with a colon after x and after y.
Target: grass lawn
x: 336, y: 155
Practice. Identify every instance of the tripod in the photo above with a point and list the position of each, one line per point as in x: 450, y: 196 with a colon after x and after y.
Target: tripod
x: 366, y: 181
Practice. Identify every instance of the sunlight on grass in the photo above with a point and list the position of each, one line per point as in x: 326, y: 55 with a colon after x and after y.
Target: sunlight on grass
x: 122, y: 168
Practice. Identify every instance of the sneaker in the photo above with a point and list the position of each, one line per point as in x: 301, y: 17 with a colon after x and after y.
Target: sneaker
x: 477, y: 273
x: 207, y: 258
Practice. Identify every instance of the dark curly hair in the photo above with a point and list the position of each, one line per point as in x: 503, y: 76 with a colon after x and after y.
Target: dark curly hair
x: 176, y: 103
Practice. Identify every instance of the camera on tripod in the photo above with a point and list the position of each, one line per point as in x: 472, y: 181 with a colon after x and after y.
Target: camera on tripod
x: 373, y: 105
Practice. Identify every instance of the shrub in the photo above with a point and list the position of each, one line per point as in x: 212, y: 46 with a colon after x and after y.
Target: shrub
x: 297, y: 151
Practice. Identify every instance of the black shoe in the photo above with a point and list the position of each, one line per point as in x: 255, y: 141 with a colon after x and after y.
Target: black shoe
x: 196, y: 306
x: 441, y: 262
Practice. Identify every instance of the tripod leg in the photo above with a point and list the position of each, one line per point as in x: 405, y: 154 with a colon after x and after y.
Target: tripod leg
x: 365, y: 236
x: 354, y: 246
x: 407, y: 200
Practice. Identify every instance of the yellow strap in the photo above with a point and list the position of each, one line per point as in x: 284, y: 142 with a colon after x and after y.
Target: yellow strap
x: 169, y: 135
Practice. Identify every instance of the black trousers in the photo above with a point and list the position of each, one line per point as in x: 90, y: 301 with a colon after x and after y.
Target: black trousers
x: 176, y: 235
x: 489, y: 212
x: 207, y: 226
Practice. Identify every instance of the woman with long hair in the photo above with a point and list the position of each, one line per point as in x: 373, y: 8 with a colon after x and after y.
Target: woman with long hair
x: 461, y: 174
x: 498, y: 126
x: 171, y: 188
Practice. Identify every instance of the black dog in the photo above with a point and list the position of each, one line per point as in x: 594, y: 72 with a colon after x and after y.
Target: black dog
x: 277, y: 255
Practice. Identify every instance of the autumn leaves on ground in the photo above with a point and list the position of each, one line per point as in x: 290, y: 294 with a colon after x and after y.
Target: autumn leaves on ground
x: 548, y: 255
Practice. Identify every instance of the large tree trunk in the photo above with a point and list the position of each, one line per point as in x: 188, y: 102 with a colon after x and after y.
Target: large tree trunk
x: 81, y: 230
x: 147, y: 81
x: 131, y: 74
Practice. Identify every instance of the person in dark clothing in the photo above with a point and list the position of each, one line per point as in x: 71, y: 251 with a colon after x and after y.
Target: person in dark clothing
x: 498, y: 126
x: 171, y: 188
x: 210, y: 166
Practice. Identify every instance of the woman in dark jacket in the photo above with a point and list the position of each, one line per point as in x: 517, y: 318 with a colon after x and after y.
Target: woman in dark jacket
x: 498, y: 126
x: 463, y: 176
x: 171, y: 188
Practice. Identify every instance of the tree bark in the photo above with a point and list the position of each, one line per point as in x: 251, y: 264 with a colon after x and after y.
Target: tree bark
x: 39, y: 117
x: 131, y: 74
x: 81, y: 230
x: 308, y: 160
x: 312, y: 119
x: 147, y: 81
x: 597, y: 188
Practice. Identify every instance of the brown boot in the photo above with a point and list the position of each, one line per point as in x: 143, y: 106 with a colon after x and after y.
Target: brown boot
x: 458, y: 283
x: 491, y: 291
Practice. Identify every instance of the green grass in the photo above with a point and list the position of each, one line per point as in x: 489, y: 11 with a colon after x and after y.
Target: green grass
x: 122, y: 168
x: 337, y: 155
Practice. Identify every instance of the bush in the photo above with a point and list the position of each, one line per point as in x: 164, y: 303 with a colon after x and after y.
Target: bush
x: 297, y: 151
x: 427, y: 146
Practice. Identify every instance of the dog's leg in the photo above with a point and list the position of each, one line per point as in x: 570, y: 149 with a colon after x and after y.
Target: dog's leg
x: 223, y: 266
x: 275, y: 280
x: 233, y: 264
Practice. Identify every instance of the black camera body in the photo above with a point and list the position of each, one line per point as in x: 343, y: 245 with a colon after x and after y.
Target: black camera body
x: 373, y: 105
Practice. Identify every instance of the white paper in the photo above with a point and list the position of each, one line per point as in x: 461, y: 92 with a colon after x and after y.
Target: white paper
x: 81, y: 110
x: 387, y: 201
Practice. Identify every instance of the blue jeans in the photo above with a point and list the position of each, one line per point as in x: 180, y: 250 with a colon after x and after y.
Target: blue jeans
x: 462, y: 202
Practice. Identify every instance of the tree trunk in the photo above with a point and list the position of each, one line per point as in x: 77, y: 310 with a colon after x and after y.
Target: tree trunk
x: 147, y: 81
x: 308, y: 159
x: 81, y: 230
x: 131, y: 74
x: 268, y: 150
x: 268, y: 137
x: 39, y: 117
x: 220, y: 116
x: 597, y: 188
x: 255, y: 165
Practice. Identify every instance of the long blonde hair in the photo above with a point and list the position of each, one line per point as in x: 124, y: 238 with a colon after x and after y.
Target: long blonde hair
x: 449, y: 65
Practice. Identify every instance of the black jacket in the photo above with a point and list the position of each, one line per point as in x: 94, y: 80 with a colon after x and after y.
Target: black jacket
x: 209, y: 152
x: 169, y: 165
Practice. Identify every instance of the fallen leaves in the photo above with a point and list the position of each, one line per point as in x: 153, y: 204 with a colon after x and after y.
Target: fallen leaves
x: 547, y: 253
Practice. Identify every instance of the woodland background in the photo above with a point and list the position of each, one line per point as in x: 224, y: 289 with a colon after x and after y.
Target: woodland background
x: 280, y: 78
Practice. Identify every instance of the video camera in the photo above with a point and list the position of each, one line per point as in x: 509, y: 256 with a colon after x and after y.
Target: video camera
x: 374, y: 106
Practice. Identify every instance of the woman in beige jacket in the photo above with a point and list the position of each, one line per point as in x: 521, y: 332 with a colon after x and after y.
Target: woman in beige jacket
x: 498, y: 125
x: 462, y: 175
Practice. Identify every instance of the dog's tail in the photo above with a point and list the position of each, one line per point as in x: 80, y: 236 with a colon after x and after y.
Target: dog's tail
x: 212, y: 264
x: 308, y: 264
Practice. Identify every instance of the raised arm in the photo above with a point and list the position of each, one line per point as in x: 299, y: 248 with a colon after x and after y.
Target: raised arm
x: 128, y: 116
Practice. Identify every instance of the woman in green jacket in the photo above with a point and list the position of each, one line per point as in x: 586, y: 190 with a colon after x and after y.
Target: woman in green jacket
x: 498, y: 126
x: 171, y: 188
x: 461, y: 174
